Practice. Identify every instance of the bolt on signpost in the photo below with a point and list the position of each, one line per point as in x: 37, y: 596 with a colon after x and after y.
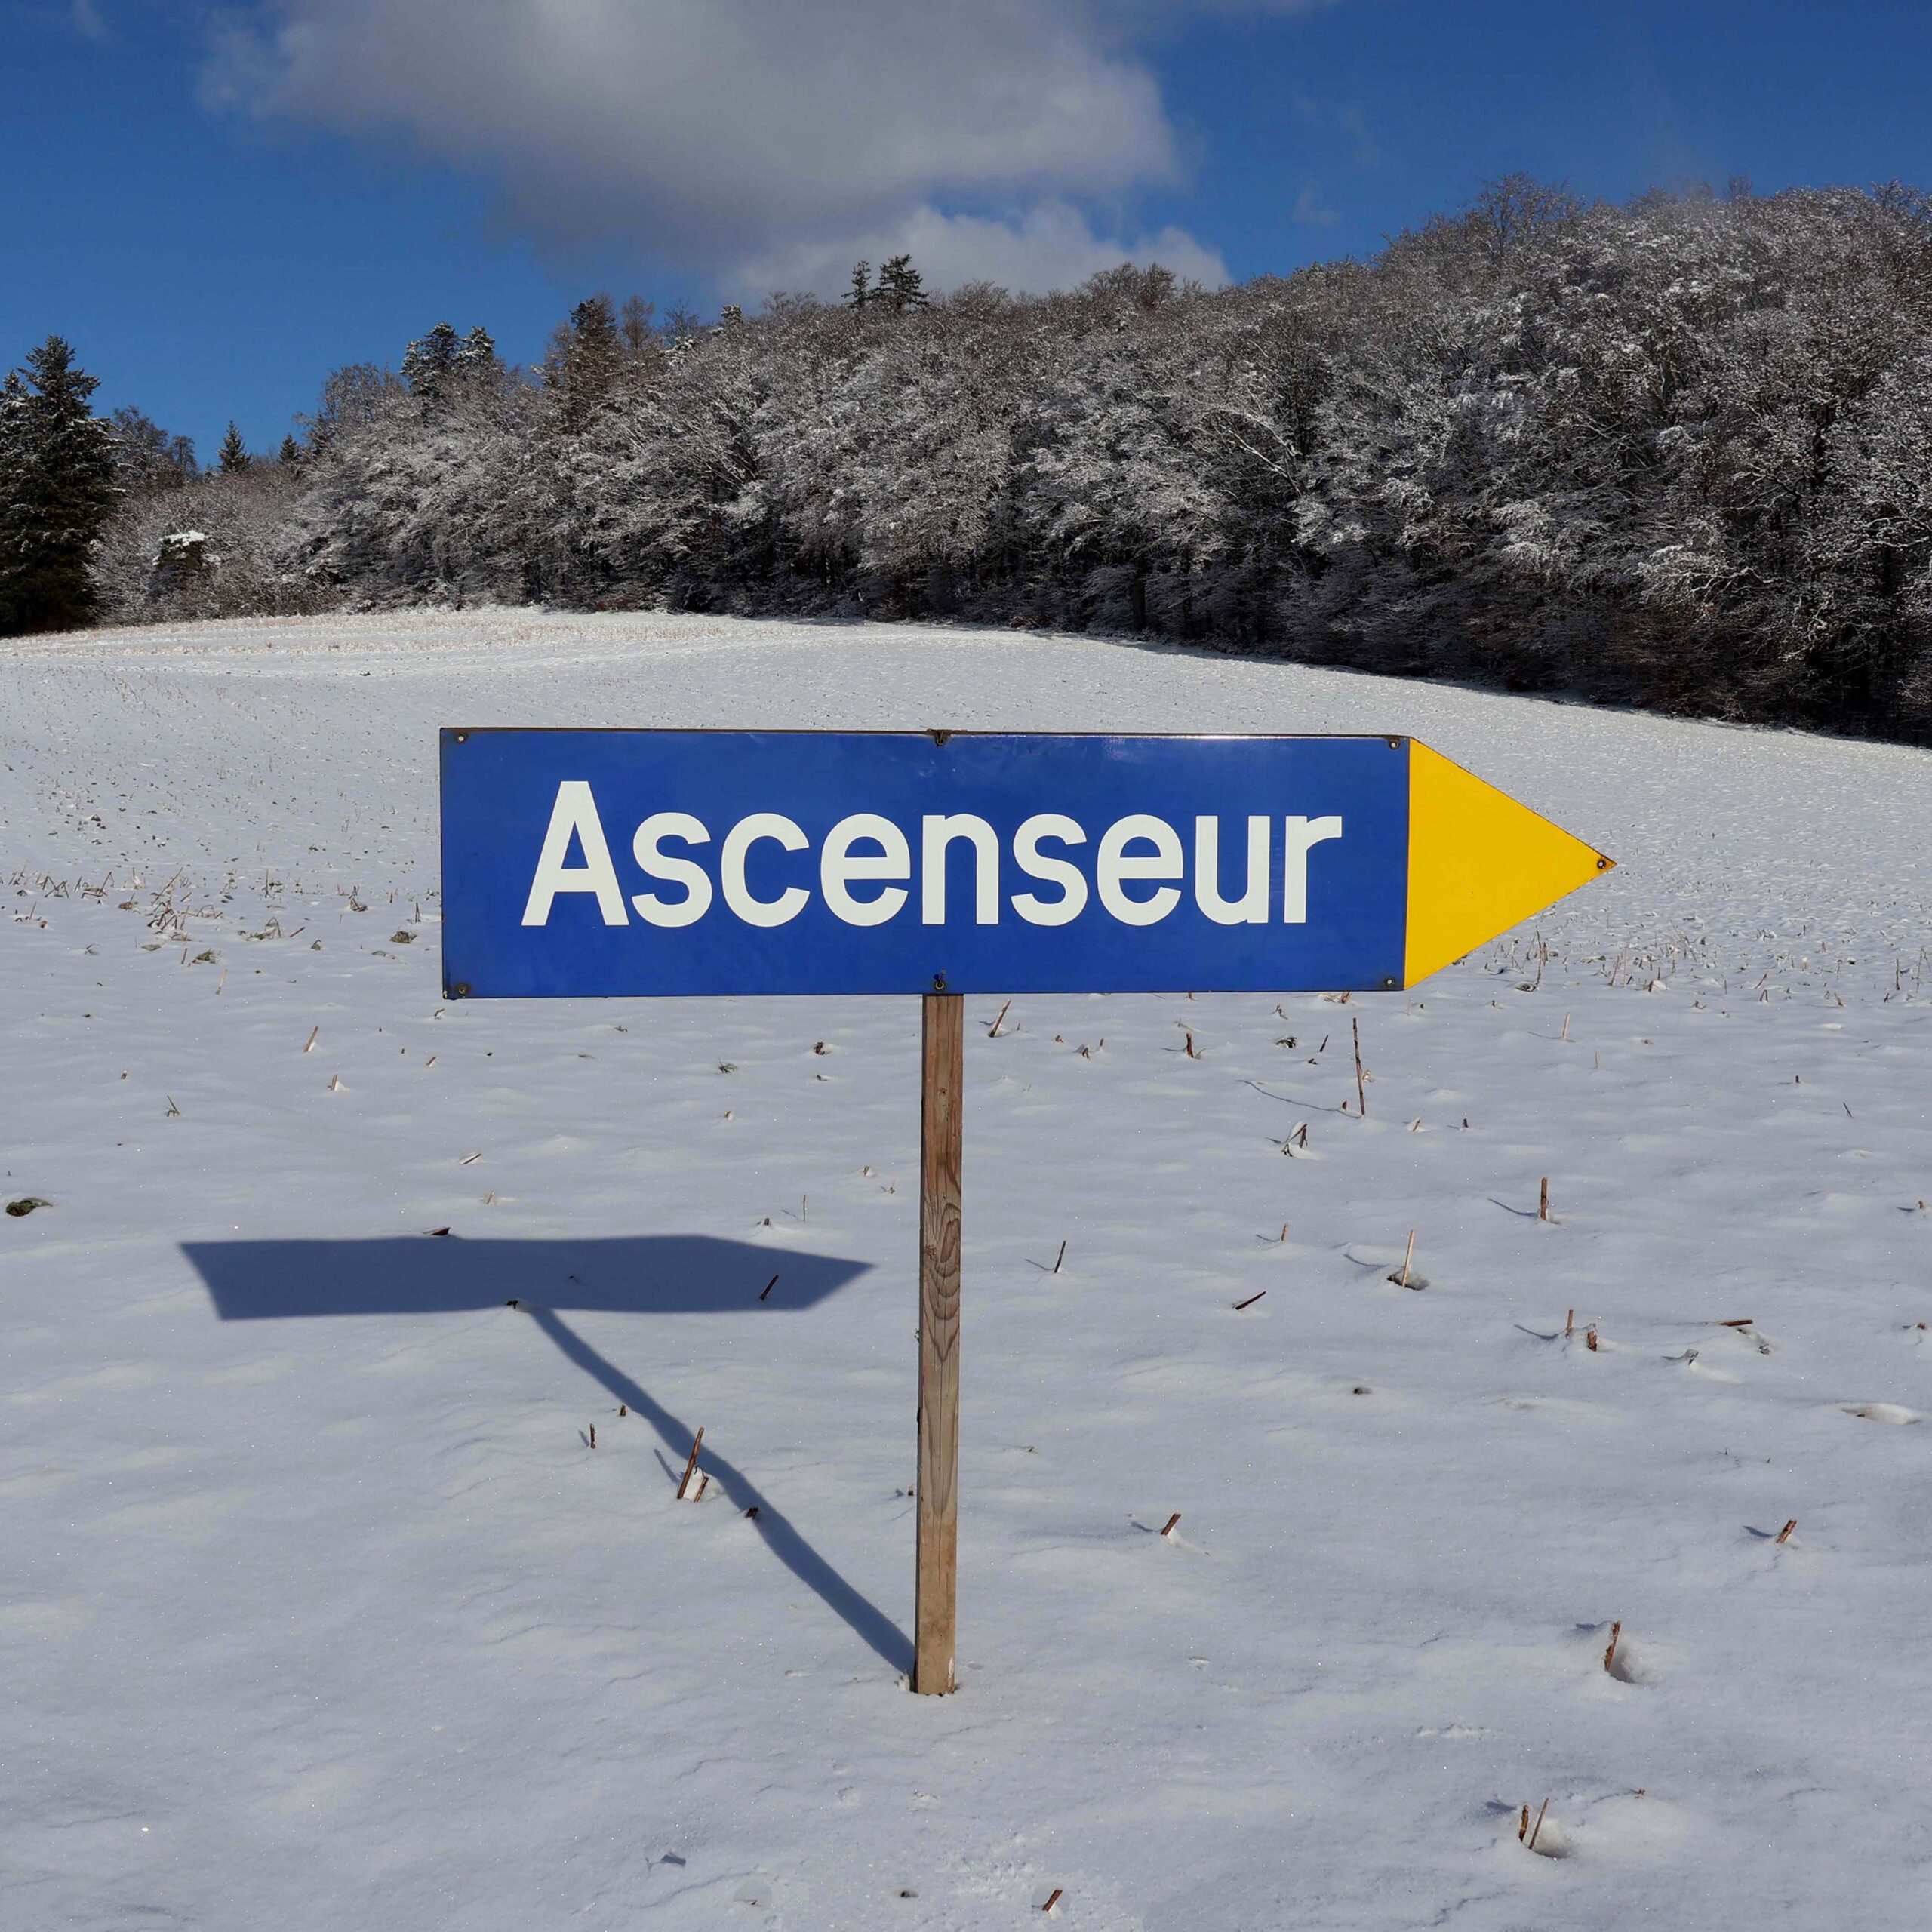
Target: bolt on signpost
x: 648, y: 863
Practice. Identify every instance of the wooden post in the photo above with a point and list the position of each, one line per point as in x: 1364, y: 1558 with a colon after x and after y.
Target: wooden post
x: 936, y: 1597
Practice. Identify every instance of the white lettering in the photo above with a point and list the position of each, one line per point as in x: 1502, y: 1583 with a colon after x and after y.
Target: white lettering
x: 1299, y: 834
x: 738, y: 841
x: 575, y: 810
x: 1251, y: 908
x: 1115, y: 866
x: 686, y: 872
x: 1062, y: 872
x: 937, y: 833
x: 838, y: 866
x: 1140, y: 850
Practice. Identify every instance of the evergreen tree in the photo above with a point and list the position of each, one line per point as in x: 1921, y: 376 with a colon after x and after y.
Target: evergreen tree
x: 859, y: 294
x: 289, y: 452
x: 14, y: 466
x: 900, y: 286
x: 585, y: 355
x: 476, y: 354
x: 234, y: 453
x: 427, y: 364
x: 58, y: 481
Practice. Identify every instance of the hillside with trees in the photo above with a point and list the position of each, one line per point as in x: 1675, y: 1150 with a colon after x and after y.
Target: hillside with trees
x: 1674, y: 452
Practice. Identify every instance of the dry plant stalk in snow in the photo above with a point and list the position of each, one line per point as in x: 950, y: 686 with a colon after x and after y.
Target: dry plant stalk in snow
x: 1536, y: 1829
x: 1400, y: 1277
x: 690, y: 1463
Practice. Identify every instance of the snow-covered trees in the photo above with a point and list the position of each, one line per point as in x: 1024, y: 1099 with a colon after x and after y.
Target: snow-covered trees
x: 1675, y: 453
x: 150, y: 458
x: 214, y: 548
x: 437, y: 363
x: 900, y: 286
x: 427, y: 364
x: 59, y: 480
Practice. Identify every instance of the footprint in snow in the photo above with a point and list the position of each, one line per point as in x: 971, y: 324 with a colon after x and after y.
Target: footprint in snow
x: 1891, y: 1412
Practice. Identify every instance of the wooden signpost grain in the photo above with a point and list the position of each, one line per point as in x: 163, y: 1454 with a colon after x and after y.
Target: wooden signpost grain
x: 935, y: 1597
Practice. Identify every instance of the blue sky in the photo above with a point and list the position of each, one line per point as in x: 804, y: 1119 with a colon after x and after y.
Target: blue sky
x: 218, y: 206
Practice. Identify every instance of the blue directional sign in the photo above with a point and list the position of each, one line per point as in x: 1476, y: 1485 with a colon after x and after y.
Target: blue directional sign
x: 585, y: 863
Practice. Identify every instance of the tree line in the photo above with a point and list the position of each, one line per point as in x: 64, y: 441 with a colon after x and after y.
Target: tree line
x: 1673, y: 452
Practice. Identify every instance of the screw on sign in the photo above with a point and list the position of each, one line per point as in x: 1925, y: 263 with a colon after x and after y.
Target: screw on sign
x: 639, y: 864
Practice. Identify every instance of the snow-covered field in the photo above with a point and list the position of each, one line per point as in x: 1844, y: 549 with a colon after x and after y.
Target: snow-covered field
x: 318, y: 1610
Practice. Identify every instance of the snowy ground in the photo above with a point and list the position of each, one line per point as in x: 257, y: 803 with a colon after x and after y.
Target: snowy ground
x: 318, y: 1610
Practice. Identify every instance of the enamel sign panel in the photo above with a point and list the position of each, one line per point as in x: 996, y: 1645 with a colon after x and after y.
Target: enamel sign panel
x: 588, y: 863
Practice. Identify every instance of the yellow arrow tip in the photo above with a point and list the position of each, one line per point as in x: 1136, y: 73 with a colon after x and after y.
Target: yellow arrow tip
x: 1478, y: 863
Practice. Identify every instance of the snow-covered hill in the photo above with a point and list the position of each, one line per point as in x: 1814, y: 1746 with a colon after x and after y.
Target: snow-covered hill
x: 317, y: 1608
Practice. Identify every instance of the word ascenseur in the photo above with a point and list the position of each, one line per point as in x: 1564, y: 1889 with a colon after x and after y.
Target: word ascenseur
x: 864, y: 870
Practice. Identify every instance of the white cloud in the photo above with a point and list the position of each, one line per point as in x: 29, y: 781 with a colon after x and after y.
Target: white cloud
x: 1051, y: 245
x: 757, y: 140
x: 1311, y: 210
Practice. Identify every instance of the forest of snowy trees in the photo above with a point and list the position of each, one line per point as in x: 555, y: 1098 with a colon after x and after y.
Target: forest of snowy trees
x: 1677, y: 453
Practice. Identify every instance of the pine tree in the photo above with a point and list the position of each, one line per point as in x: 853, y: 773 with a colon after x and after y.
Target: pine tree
x: 234, y: 453
x: 14, y: 467
x: 900, y: 286
x: 584, y: 356
x: 476, y: 354
x: 426, y: 364
x: 859, y: 294
x: 58, y: 482
x: 289, y: 452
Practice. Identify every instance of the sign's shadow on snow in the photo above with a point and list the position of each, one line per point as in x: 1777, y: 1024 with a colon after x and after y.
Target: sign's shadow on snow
x: 252, y: 1280
x: 636, y: 1275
